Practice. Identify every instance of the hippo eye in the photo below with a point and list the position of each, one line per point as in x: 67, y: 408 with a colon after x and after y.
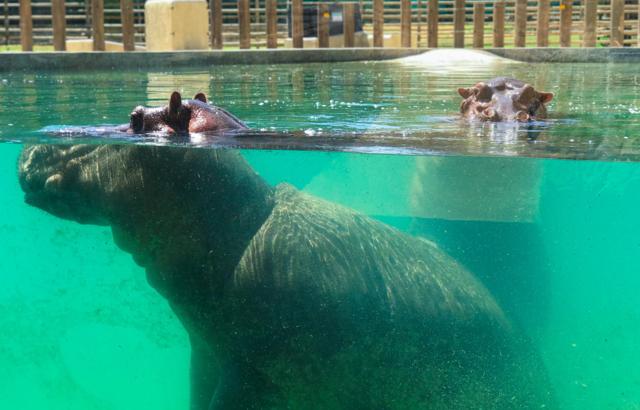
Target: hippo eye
x: 136, y: 123
x: 484, y: 93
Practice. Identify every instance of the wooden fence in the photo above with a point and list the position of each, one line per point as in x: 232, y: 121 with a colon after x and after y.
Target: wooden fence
x: 413, y: 23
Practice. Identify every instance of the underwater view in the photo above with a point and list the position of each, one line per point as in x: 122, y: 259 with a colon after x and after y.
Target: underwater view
x: 360, y: 247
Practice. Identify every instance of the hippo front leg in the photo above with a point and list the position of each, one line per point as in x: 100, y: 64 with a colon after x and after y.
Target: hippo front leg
x: 243, y: 388
x: 205, y: 374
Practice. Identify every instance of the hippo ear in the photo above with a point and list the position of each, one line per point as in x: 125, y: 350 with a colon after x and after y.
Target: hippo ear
x: 545, y: 98
x: 465, y: 92
x: 175, y: 102
x: 200, y: 97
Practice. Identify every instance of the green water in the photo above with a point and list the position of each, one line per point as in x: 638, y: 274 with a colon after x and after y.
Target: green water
x: 556, y: 241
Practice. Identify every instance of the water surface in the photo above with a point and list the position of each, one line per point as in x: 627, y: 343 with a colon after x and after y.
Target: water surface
x: 556, y: 241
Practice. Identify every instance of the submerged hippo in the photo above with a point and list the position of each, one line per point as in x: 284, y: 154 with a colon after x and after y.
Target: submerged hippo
x: 504, y: 99
x: 182, y: 116
x: 290, y: 301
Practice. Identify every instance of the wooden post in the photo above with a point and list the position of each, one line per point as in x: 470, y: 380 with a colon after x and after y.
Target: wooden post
x: 26, y: 25
x: 498, y: 24
x: 520, y: 31
x: 128, y: 30
x: 256, y: 8
x: 244, y: 24
x: 215, y: 13
x: 617, y: 23
x: 324, y: 17
x: 97, y: 18
x: 378, y: 23
x: 478, y: 25
x: 590, y: 19
x: 348, y: 23
x: 458, y: 24
x: 405, y: 23
x: 58, y: 19
x: 6, y: 22
x: 565, y: 23
x: 542, y: 30
x: 272, y: 23
x: 419, y: 24
x: 432, y: 24
x: 297, y: 29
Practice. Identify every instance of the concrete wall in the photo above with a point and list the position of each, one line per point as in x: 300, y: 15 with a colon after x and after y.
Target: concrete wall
x: 143, y: 60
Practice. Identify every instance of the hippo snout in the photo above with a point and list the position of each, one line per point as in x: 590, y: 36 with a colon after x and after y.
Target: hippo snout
x: 35, y: 167
x: 48, y: 178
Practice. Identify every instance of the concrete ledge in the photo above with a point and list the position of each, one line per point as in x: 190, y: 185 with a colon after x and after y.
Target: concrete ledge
x: 29, y: 61
x: 570, y: 55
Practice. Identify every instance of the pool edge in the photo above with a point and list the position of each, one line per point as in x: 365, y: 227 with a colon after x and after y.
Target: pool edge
x: 34, y: 61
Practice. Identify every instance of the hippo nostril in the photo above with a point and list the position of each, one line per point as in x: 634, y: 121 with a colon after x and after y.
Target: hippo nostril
x: 490, y: 114
x: 522, y: 116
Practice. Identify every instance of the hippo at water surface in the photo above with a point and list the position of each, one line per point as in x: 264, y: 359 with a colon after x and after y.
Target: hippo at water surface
x: 182, y: 116
x: 291, y: 301
x: 504, y: 99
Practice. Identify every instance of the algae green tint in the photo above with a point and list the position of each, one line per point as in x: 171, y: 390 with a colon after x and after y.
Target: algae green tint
x: 532, y: 228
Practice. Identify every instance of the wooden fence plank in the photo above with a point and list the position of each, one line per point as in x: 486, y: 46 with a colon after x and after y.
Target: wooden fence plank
x: 565, y: 22
x: 432, y: 24
x: 378, y: 23
x: 542, y: 30
x: 297, y: 29
x: 617, y: 23
x: 244, y: 24
x: 478, y: 25
x: 272, y: 23
x: 520, y: 30
x: 128, y: 29
x: 26, y: 25
x: 324, y: 17
x: 458, y: 24
x: 215, y: 13
x: 498, y: 24
x: 419, y: 25
x: 348, y: 23
x: 405, y: 23
x: 97, y: 20
x: 59, y: 23
x: 590, y: 20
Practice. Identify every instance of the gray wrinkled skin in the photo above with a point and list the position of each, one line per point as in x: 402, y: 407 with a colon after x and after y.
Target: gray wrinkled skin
x: 290, y: 301
x: 503, y: 99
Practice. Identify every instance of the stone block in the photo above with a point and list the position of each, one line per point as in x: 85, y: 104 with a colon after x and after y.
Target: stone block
x: 176, y: 25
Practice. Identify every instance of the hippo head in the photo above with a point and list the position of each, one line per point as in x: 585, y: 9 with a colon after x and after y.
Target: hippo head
x: 79, y: 182
x: 503, y: 99
x: 182, y: 116
x: 110, y: 184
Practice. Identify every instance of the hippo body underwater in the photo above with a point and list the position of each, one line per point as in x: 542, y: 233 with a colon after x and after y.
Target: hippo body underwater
x: 503, y: 99
x: 290, y: 301
x: 182, y: 116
